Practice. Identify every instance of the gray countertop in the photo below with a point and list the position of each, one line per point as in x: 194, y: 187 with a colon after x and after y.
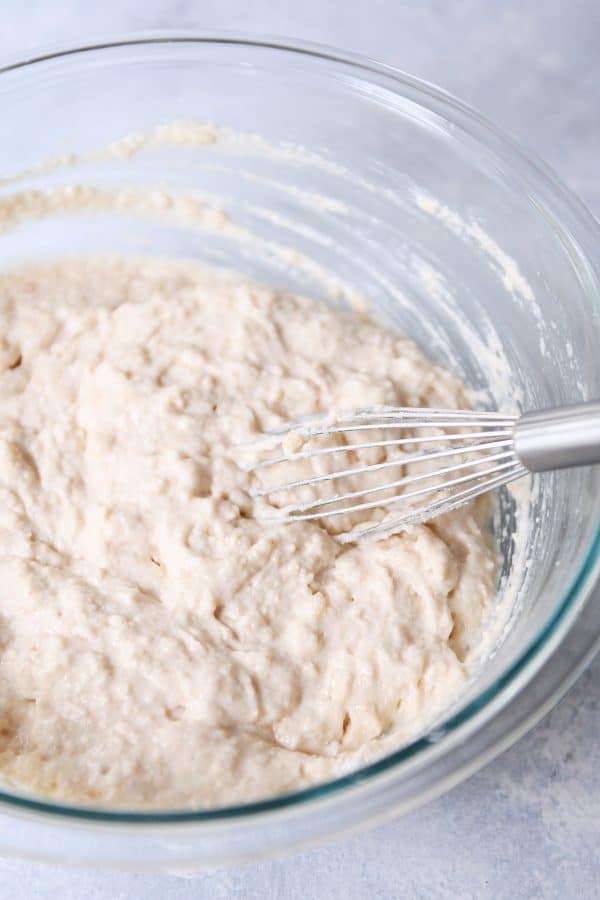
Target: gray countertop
x: 528, y: 825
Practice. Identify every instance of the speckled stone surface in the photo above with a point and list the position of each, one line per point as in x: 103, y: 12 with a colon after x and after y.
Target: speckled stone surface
x: 527, y: 826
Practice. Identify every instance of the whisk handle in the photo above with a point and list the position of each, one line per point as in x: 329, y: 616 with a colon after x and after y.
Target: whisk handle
x: 559, y: 438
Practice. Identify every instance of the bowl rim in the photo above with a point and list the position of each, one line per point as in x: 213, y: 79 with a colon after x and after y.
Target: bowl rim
x: 531, y: 659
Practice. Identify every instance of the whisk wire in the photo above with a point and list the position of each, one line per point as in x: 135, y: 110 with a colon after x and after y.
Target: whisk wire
x: 297, y: 514
x: 399, y: 417
x: 432, y: 510
x: 503, y: 459
x: 369, y: 445
x: 411, y: 458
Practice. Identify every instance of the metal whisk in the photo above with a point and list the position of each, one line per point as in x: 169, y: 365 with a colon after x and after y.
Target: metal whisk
x: 457, y: 454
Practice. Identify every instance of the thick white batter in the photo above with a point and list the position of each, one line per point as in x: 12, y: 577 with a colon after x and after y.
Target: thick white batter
x: 159, y: 647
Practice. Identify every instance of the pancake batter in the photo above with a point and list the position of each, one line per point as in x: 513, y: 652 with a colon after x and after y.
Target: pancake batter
x: 160, y: 647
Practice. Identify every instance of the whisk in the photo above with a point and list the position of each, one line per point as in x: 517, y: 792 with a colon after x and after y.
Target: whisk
x: 471, y: 452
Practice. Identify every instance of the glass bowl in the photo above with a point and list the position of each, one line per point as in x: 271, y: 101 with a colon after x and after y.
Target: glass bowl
x: 338, y: 177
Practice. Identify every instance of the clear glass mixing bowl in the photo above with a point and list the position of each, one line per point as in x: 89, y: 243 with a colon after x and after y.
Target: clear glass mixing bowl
x: 346, y: 172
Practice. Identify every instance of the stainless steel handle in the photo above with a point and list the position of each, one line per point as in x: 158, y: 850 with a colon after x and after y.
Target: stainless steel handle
x: 559, y: 438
